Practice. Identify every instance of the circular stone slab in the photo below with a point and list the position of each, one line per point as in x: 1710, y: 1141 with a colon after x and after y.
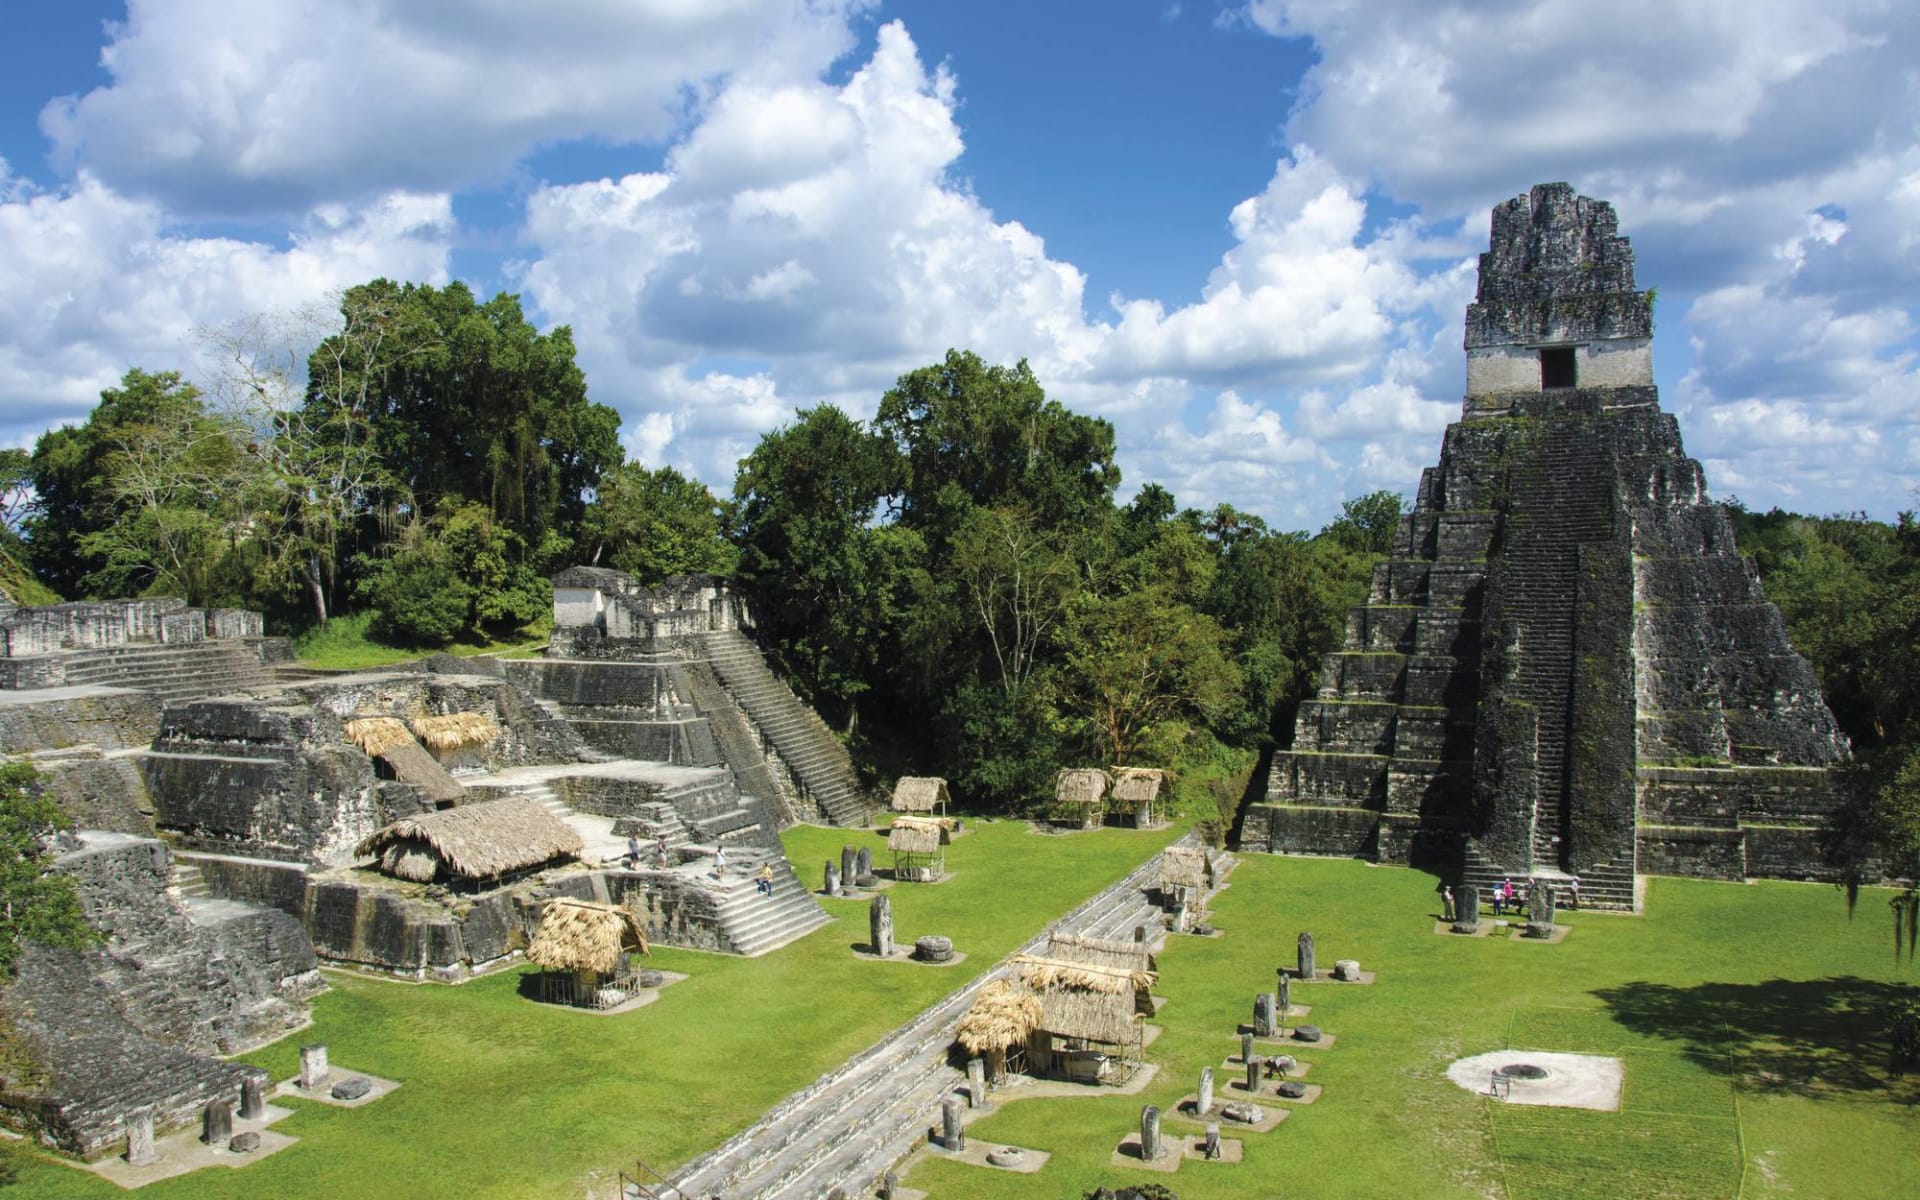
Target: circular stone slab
x: 1292, y: 1090
x: 933, y: 948
x: 1347, y: 970
x: 244, y: 1143
x: 1007, y: 1156
x: 1246, y: 1114
x: 1572, y: 1080
x: 1306, y: 1033
x: 351, y: 1088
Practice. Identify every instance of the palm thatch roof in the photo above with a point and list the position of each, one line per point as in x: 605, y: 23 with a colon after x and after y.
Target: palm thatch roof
x: 1046, y: 974
x: 376, y: 734
x: 1108, y: 1018
x: 917, y: 835
x: 920, y: 793
x: 1134, y: 786
x: 410, y: 763
x: 1080, y: 785
x: 1117, y: 953
x: 473, y: 841
x: 1185, y: 866
x: 1003, y: 1015
x: 579, y: 935
x: 455, y: 731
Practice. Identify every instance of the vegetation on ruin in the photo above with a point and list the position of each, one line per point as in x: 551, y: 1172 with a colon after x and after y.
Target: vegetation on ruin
x: 36, y: 904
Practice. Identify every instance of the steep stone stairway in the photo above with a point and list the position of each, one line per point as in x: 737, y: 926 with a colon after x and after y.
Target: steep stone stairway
x: 1604, y: 886
x: 813, y: 756
x: 178, y: 672
x: 1570, y: 474
x: 755, y: 923
x: 850, y: 1126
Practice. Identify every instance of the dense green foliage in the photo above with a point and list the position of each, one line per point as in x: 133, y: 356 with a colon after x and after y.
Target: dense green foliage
x: 1849, y: 589
x: 36, y: 905
x: 959, y: 575
x: 432, y: 457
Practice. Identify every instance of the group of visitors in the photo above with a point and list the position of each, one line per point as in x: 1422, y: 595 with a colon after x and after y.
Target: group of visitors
x: 762, y: 880
x: 1506, y: 898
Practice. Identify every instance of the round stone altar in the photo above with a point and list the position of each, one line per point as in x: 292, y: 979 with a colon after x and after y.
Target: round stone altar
x: 1542, y: 1077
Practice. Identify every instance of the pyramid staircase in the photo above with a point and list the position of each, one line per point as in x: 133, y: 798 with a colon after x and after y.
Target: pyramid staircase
x: 178, y: 672
x: 816, y: 760
x: 754, y: 923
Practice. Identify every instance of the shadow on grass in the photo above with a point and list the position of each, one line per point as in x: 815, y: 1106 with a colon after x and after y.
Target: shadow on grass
x: 1798, y: 1037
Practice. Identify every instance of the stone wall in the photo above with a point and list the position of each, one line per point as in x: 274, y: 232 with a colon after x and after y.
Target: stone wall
x: 106, y: 719
x: 137, y: 1021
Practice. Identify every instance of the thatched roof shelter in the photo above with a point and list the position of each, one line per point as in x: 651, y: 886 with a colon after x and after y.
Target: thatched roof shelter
x: 1044, y: 974
x: 473, y: 841
x: 376, y: 734
x: 921, y: 793
x: 1186, y: 866
x: 1117, y: 953
x: 1080, y: 785
x: 1003, y: 1015
x: 917, y: 835
x: 579, y: 935
x: 455, y: 731
x: 1134, y: 787
x: 1105, y: 1018
x: 410, y: 763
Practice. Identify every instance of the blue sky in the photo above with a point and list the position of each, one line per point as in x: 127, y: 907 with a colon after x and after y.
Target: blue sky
x: 1243, y: 232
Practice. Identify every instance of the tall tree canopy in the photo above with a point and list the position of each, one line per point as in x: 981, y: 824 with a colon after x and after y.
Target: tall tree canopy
x: 656, y: 523
x: 468, y: 402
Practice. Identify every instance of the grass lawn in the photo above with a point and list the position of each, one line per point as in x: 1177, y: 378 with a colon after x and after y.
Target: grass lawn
x: 348, y: 644
x: 1749, y: 1019
x: 502, y: 1097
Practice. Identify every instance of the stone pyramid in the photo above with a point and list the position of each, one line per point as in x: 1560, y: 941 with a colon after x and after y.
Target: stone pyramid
x: 1565, y: 667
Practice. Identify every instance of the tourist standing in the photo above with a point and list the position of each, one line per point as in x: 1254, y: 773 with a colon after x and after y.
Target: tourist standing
x: 719, y: 862
x: 764, y: 883
x: 1446, y: 904
x: 633, y: 852
x: 1573, y: 892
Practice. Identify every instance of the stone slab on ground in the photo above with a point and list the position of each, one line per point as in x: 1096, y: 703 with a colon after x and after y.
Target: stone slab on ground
x: 1274, y: 1114
x: 1233, y: 1066
x: 1313, y: 1093
x: 1290, y: 1017
x: 1445, y: 929
x: 975, y: 1154
x: 1325, y: 975
x: 1194, y: 1149
x: 1574, y: 1080
x: 1326, y: 1041
x: 324, y: 1094
x: 1127, y: 1154
x: 182, y: 1151
x: 1560, y: 933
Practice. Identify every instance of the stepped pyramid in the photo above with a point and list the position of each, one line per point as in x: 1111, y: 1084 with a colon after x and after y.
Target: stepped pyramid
x: 1566, y: 666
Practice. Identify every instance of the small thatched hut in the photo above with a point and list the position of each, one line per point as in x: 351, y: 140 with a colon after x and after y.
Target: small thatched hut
x: 459, y: 740
x: 397, y: 756
x: 919, y: 847
x: 1185, y: 868
x: 1135, y: 792
x: 1077, y: 796
x: 1117, y: 954
x: 1090, y: 1016
x: 921, y: 794
x: 1003, y: 1017
x: 474, y: 843
x: 586, y: 950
